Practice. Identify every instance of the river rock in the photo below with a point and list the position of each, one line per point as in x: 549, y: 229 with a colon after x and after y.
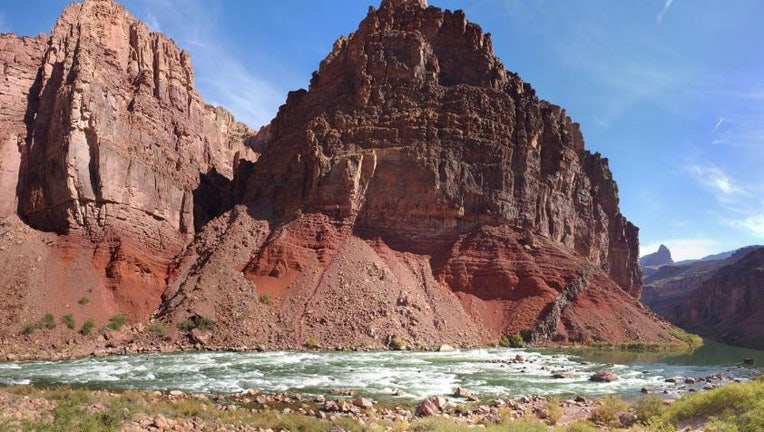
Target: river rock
x: 363, y: 403
x: 427, y: 408
x: 604, y: 376
x: 462, y: 392
x: 446, y: 348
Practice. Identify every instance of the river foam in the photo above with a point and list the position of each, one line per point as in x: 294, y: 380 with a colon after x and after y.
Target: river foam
x: 414, y: 375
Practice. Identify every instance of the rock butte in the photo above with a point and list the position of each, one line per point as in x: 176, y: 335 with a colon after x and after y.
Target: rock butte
x: 417, y: 194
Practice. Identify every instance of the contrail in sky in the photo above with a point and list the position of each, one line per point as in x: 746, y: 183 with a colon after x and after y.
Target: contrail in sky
x: 719, y: 123
x: 665, y: 9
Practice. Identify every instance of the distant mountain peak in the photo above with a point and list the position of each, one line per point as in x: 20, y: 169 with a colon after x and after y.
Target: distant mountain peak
x: 656, y: 259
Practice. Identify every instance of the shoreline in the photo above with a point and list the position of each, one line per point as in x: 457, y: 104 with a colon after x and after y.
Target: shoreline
x: 31, y: 407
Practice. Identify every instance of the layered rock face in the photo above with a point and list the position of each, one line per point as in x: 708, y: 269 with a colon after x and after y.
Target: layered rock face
x: 728, y: 305
x: 720, y: 298
x: 419, y: 191
x: 105, y: 142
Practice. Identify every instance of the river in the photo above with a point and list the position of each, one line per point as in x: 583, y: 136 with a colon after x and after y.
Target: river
x: 495, y: 372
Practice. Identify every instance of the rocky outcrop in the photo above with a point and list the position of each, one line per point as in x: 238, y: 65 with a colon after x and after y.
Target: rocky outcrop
x: 105, y: 143
x: 20, y: 58
x: 727, y: 303
x: 418, y: 192
x: 658, y: 258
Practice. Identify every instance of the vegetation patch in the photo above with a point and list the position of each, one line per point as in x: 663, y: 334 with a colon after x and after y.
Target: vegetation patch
x: 196, y: 322
x: 514, y: 341
x: 117, y: 322
x: 156, y: 328
x: 68, y: 321
x: 87, y: 327
x: 732, y: 407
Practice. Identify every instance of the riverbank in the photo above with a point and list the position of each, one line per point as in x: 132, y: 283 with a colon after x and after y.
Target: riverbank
x: 49, y: 339
x: 64, y: 408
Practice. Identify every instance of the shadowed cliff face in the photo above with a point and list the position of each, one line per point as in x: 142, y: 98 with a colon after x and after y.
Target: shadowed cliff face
x: 419, y: 191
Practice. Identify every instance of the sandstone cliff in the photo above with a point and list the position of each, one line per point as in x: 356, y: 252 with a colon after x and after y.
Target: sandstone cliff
x: 418, y: 192
x: 104, y: 144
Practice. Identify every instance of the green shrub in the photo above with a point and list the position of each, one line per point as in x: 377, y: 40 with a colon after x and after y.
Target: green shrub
x: 68, y: 321
x: 690, y: 339
x: 514, y: 341
x: 265, y: 299
x: 116, y: 322
x: 196, y: 322
x: 28, y: 329
x: 734, y: 405
x: 311, y: 343
x: 157, y: 329
x: 83, y: 301
x: 398, y: 344
x: 87, y: 326
x: 647, y: 407
x: 48, y: 321
x: 553, y: 410
x: 608, y: 411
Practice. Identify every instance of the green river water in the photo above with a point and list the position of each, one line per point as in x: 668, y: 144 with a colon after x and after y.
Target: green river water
x: 415, y: 375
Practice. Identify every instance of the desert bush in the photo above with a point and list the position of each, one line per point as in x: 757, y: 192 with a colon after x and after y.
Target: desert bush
x: 608, y: 411
x: 156, y: 328
x: 514, y: 341
x: 68, y: 321
x: 48, y: 321
x: 196, y: 322
x: 647, y: 407
x: 116, y: 322
x: 553, y: 411
x: 87, y: 327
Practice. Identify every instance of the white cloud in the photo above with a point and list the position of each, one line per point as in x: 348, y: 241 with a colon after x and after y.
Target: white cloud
x: 685, y: 248
x: 724, y: 188
x: 221, y: 76
x: 666, y: 6
x: 753, y: 224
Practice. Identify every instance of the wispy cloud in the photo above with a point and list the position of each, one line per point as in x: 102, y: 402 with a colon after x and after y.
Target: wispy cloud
x: 753, y: 224
x: 722, y: 186
x: 221, y: 76
x: 666, y: 6
x: 3, y: 23
x: 685, y: 248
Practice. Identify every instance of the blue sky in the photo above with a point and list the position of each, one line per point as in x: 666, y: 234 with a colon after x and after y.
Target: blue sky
x: 671, y: 91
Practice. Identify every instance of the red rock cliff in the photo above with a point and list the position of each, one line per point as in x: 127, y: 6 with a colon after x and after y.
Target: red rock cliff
x: 104, y: 142
x: 419, y: 191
